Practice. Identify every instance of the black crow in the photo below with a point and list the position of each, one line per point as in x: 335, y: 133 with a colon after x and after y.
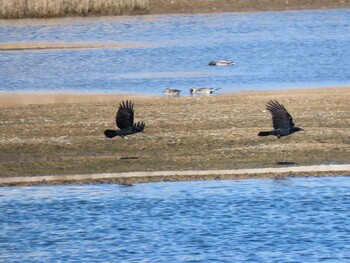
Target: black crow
x: 283, y: 124
x: 125, y: 121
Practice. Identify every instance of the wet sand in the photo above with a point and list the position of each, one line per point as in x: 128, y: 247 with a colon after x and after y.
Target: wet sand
x: 137, y: 177
x: 62, y: 134
x: 29, y: 46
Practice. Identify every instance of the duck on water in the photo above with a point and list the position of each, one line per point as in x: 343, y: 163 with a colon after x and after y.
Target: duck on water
x: 221, y: 63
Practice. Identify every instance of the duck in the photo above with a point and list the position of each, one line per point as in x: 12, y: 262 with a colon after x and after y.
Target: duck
x: 221, y: 63
x: 202, y: 90
x: 172, y: 92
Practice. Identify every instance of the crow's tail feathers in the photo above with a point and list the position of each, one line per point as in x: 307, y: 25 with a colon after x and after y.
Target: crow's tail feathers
x: 138, y: 127
x: 110, y: 133
x: 265, y: 133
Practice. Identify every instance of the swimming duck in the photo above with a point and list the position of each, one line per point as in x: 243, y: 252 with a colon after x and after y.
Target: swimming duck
x: 172, y: 92
x: 221, y: 63
x: 202, y: 90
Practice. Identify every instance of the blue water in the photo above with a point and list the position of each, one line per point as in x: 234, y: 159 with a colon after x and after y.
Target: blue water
x: 256, y: 220
x: 272, y: 50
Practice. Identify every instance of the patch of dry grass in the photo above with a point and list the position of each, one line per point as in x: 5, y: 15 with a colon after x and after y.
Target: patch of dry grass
x: 213, y: 132
x: 57, y: 8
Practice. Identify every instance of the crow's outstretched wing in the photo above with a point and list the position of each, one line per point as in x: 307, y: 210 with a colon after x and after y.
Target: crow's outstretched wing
x: 139, y: 127
x: 125, y: 115
x: 281, y: 119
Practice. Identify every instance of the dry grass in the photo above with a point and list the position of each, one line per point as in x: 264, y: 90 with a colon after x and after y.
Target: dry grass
x: 64, y: 135
x: 57, y: 8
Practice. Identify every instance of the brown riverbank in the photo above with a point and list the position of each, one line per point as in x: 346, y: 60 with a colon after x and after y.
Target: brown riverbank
x: 62, y: 134
x: 29, y: 46
x: 209, y: 6
x: 130, y: 178
x: 60, y: 8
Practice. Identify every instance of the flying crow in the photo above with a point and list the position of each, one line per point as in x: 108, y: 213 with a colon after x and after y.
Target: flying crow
x: 125, y: 121
x: 282, y: 121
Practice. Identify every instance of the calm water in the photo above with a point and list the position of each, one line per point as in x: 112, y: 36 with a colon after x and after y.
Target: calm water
x: 264, y: 220
x: 272, y: 50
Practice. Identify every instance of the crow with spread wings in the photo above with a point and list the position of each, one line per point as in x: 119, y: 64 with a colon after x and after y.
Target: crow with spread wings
x: 125, y: 121
x: 282, y: 121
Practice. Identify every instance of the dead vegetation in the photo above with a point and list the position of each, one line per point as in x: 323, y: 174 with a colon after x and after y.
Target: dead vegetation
x: 210, y: 132
x: 59, y: 8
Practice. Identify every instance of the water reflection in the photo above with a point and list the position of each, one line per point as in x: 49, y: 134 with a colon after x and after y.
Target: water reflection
x: 299, y: 220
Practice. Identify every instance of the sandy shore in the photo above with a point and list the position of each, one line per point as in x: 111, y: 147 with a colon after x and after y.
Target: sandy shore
x: 28, y: 46
x: 129, y: 178
x: 210, y: 6
x: 14, y: 99
x: 62, y: 134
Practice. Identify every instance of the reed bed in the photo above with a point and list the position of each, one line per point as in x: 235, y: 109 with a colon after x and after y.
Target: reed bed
x: 59, y: 8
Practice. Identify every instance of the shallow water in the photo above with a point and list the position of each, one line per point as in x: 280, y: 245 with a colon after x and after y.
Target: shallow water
x: 255, y: 220
x: 272, y: 50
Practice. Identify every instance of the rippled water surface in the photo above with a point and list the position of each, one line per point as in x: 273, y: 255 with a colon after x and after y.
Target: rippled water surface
x: 272, y: 50
x: 256, y: 220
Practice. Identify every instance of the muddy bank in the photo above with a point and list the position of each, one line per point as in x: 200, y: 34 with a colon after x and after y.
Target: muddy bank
x: 25, y: 46
x: 171, y: 176
x: 209, y: 6
x: 62, y: 134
